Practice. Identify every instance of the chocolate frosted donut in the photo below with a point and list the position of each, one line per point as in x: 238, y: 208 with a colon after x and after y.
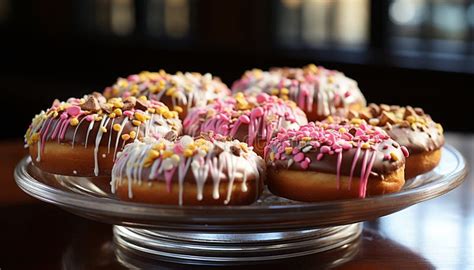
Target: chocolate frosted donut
x: 410, y: 127
x: 318, y: 91
x: 251, y: 119
x: 188, y: 172
x: 83, y: 135
x: 322, y: 161
x: 179, y: 92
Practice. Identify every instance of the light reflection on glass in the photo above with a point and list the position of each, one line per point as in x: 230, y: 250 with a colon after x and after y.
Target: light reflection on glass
x: 176, y: 18
x: 407, y: 12
x: 316, y: 23
x: 122, y: 17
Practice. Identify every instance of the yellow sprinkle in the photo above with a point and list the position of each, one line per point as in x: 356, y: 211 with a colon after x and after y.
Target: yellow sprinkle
x: 143, y: 98
x: 178, y: 109
x: 394, y: 156
x: 159, y: 146
x: 167, y: 154
x: 274, y: 91
x: 342, y: 130
x: 272, y: 156
x: 356, y: 121
x: 175, y: 158
x: 284, y: 91
x: 439, y: 127
x: 365, y: 146
x: 118, y: 112
x: 288, y: 150
x: 74, y: 122
x: 187, y: 152
x: 133, y: 134
x: 112, y: 115
x: 98, y: 118
x: 34, y: 138
x: 141, y: 117
x: 330, y: 119
x: 306, y: 138
x: 330, y: 79
x: 125, y: 137
x: 411, y: 119
x: 147, y: 162
x: 153, y: 154
x: 103, y: 129
x: 134, y: 90
x: 117, y: 127
x: 313, y: 68
x: 151, y: 110
x: 170, y: 91
x: 136, y: 123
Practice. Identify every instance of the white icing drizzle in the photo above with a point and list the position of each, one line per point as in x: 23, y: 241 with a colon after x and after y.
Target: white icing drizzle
x: 202, y: 166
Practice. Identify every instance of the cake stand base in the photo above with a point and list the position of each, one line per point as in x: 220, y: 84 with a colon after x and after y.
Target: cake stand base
x: 217, y: 248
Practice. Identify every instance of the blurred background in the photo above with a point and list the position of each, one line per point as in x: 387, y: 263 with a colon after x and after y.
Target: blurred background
x: 417, y: 52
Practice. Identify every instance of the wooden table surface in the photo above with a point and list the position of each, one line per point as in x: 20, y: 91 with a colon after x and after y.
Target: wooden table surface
x: 437, y: 234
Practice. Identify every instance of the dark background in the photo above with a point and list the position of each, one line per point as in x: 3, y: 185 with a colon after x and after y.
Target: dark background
x: 401, y: 52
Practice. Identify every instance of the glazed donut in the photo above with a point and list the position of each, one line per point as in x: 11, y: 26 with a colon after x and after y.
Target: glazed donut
x: 180, y: 92
x: 188, y: 172
x: 318, y: 91
x: 250, y: 119
x: 83, y: 135
x: 322, y: 161
x: 410, y: 127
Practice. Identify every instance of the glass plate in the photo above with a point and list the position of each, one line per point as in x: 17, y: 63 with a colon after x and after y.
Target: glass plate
x: 82, y: 197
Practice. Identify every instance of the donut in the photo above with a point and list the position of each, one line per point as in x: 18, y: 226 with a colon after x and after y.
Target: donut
x: 188, y: 172
x: 250, y: 119
x: 180, y: 91
x: 81, y: 137
x: 410, y: 127
x: 320, y: 92
x: 322, y: 161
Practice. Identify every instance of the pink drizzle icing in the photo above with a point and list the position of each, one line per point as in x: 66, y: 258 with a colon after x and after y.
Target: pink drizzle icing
x: 317, y: 139
x: 268, y: 115
x: 329, y: 88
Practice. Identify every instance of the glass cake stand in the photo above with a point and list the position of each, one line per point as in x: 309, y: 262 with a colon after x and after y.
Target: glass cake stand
x: 272, y: 228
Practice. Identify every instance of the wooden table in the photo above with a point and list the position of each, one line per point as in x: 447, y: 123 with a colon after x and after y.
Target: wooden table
x: 434, y: 234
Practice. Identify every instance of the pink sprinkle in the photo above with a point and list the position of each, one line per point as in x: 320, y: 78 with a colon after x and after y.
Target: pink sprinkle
x: 298, y: 157
x: 359, y: 132
x: 319, y: 156
x: 73, y: 111
x: 262, y: 97
x: 385, y: 147
x: 305, y: 163
x: 244, y: 119
x: 295, y: 150
x: 128, y: 113
x: 405, y: 151
x: 126, y: 94
x: 257, y: 112
x: 64, y: 116
x: 178, y: 149
x: 387, y: 157
x: 325, y: 149
x: 347, y: 94
x: 90, y: 117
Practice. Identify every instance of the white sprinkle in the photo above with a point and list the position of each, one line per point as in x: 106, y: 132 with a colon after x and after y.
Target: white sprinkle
x: 306, y: 148
x: 290, y: 162
x: 74, y: 172
x: 104, y: 155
